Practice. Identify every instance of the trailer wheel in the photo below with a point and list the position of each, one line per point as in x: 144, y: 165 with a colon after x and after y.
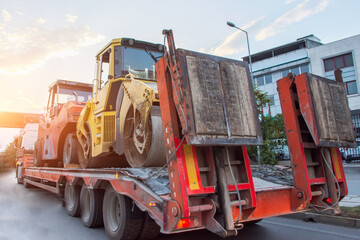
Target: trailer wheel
x: 38, y: 162
x: 149, y: 230
x: 70, y: 154
x: 72, y: 199
x: 91, y: 207
x: 122, y: 218
x: 28, y: 185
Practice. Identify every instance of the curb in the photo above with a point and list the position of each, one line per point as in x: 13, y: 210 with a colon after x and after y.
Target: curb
x: 327, y: 219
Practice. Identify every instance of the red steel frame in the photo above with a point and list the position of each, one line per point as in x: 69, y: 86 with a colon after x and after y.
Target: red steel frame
x: 296, y: 103
x: 186, y: 209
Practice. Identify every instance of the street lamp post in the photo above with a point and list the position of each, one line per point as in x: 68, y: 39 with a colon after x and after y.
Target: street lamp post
x: 230, y: 24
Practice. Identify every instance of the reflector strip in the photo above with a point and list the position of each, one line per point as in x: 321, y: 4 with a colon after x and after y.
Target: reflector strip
x: 190, y: 167
x: 336, y: 163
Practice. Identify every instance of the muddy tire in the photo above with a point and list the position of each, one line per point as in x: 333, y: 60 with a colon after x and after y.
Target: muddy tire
x: 38, y: 162
x: 91, y: 201
x: 70, y: 153
x: 122, y: 218
x: 72, y: 200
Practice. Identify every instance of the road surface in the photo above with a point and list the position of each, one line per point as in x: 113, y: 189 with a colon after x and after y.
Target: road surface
x: 352, y: 173
x: 29, y: 214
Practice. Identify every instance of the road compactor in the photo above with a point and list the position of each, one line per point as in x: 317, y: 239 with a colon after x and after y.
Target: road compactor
x: 121, y: 125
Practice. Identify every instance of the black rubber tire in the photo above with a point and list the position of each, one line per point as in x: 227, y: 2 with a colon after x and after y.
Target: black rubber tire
x: 91, y: 201
x: 72, y: 199
x: 122, y: 218
x: 28, y: 185
x: 70, y: 152
x: 149, y: 230
x: 38, y: 162
x: 89, y: 162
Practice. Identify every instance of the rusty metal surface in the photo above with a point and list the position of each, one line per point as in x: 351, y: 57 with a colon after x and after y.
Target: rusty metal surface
x: 219, y: 100
x: 330, y: 122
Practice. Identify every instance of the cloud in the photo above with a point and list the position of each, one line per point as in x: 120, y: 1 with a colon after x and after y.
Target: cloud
x: 71, y: 18
x: 41, y: 21
x: 289, y: 1
x: 231, y: 45
x: 6, y: 16
x: 297, y: 14
x: 30, y: 45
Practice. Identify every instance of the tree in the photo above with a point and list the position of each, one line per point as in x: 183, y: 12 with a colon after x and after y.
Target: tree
x: 8, y: 157
x: 272, y: 129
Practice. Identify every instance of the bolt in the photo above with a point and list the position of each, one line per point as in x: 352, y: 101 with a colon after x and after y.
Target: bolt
x: 300, y: 195
x: 174, y: 211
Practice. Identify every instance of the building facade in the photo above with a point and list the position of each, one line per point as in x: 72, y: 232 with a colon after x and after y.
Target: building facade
x: 308, y: 54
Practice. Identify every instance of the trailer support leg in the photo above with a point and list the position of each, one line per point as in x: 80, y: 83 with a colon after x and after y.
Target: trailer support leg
x: 219, y: 155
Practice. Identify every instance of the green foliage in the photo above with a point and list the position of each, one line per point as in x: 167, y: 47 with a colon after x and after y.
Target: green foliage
x: 273, y: 132
x: 8, y: 158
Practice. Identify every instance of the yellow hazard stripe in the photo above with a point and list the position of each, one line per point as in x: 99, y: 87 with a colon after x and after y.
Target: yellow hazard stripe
x: 336, y: 163
x: 190, y: 167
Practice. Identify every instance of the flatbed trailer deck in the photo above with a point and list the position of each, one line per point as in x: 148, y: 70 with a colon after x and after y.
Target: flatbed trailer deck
x: 209, y: 117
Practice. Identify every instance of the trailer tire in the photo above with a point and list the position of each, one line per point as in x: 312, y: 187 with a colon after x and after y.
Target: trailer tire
x: 149, y: 230
x: 91, y: 201
x: 122, y: 218
x: 70, y: 153
x: 72, y: 199
x: 28, y: 185
x: 38, y: 162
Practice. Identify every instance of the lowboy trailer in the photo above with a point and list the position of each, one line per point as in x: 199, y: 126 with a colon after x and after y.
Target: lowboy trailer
x: 208, y: 117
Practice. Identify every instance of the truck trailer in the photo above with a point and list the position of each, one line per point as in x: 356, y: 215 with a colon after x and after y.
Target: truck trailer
x: 208, y: 118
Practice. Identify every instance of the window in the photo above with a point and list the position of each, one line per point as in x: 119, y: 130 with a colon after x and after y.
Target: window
x: 285, y: 73
x: 295, y: 71
x: 304, y: 68
x: 268, y: 78
x: 272, y: 100
x: 351, y: 87
x: 260, y: 81
x: 338, y: 62
x: 138, y: 62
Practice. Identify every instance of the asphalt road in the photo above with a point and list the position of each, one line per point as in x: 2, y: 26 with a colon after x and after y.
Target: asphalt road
x: 38, y: 214
x: 352, y: 174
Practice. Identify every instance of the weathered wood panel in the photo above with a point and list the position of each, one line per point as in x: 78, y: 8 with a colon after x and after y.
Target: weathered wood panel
x: 331, y: 110
x: 238, y: 99
x: 204, y: 78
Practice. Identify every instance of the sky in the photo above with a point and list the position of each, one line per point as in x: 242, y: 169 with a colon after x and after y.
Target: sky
x: 42, y: 41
